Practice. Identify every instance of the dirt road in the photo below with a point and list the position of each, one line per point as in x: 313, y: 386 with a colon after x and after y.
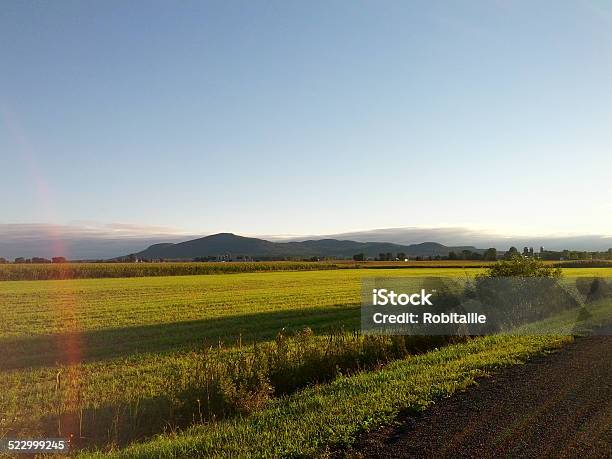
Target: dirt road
x: 554, y: 406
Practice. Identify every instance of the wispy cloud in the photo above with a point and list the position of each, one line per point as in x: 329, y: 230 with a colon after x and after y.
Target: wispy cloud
x: 480, y: 238
x: 20, y: 231
x: 82, y: 240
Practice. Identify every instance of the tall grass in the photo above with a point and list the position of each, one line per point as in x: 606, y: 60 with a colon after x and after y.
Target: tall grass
x: 210, y: 384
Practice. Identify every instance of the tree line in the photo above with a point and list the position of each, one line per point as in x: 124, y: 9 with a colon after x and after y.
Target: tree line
x: 22, y: 260
x: 491, y: 254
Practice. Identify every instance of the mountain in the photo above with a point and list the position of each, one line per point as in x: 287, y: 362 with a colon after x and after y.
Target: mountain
x: 228, y: 243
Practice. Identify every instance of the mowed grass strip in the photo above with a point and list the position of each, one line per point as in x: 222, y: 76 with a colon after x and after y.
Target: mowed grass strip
x: 332, y: 415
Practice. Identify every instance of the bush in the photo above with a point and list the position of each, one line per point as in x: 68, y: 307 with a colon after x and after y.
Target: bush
x: 519, y: 266
x: 518, y: 291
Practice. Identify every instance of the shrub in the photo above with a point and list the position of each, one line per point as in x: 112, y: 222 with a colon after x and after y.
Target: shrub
x: 519, y: 266
x: 520, y: 290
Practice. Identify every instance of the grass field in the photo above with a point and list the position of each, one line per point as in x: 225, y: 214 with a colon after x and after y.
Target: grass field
x: 142, y: 338
x: 228, y: 304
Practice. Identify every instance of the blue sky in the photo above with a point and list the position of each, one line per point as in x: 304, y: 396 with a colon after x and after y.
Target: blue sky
x: 307, y: 117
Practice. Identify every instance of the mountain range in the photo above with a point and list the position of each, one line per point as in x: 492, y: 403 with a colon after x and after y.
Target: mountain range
x: 239, y: 246
x: 94, y: 241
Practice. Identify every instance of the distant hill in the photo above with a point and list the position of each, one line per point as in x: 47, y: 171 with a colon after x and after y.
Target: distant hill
x: 228, y: 243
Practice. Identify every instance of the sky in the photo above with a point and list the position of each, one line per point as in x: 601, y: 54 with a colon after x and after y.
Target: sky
x: 289, y: 118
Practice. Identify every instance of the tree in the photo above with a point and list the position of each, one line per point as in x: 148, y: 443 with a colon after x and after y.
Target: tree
x: 490, y: 254
x: 40, y: 260
x: 401, y: 256
x: 389, y: 256
x: 58, y: 259
x: 359, y: 257
x: 452, y: 256
x: 512, y: 251
x: 3, y: 261
x: 19, y: 260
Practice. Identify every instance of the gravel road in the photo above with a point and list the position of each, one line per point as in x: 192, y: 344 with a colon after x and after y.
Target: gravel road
x: 559, y: 405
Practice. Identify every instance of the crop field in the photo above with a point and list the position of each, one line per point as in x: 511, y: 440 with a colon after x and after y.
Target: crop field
x: 48, y: 271
x: 119, y: 359
x: 63, y: 271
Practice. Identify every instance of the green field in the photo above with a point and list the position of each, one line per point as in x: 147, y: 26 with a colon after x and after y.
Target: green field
x: 117, y: 316
x: 142, y: 340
